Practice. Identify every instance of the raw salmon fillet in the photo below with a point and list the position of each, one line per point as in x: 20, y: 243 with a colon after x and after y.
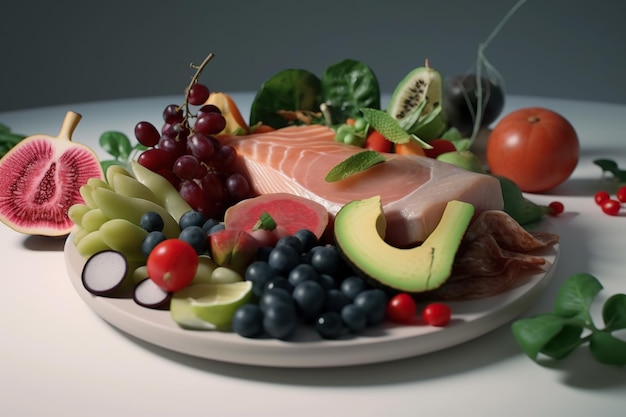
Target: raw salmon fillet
x: 414, y: 190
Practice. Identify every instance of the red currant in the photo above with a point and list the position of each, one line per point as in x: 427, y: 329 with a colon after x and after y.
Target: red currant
x: 556, y: 208
x: 437, y: 314
x: 621, y: 194
x: 611, y: 207
x: 401, y: 308
x: 601, y: 196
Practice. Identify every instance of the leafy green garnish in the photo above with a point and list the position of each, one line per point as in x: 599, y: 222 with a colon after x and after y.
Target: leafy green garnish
x: 390, y: 128
x: 570, y: 325
x: 265, y: 222
x: 354, y: 164
x: 8, y: 139
x: 348, y: 86
x: 608, y: 165
x: 119, y: 147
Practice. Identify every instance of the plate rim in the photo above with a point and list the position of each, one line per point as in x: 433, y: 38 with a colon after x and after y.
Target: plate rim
x: 379, y: 344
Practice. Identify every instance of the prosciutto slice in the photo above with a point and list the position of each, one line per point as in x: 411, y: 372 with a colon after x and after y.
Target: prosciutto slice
x: 494, y: 253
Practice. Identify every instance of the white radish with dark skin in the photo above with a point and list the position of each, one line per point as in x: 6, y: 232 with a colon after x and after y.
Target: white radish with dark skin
x: 148, y: 294
x: 105, y: 272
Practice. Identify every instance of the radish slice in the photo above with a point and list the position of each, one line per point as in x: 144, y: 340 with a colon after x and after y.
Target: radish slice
x: 148, y: 294
x: 105, y: 272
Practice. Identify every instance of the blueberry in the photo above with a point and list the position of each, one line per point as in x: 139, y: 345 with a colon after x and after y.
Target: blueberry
x: 248, y: 321
x: 196, y: 237
x: 151, y: 221
x: 301, y: 273
x: 280, y: 321
x: 335, y: 300
x: 352, y: 286
x: 259, y: 273
x: 374, y: 303
x: 309, y: 297
x: 327, y: 281
x: 291, y: 241
x: 151, y: 240
x: 307, y: 238
x: 329, y: 325
x: 327, y: 260
x: 284, y: 258
x: 216, y: 228
x: 209, y: 224
x: 191, y: 218
x: 279, y: 282
x: 275, y: 296
x: 354, y: 318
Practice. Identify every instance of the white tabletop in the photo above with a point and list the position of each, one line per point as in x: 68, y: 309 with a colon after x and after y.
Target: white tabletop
x: 57, y: 357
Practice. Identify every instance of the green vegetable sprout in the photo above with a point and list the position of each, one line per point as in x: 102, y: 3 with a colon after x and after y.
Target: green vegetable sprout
x: 119, y: 147
x: 570, y: 325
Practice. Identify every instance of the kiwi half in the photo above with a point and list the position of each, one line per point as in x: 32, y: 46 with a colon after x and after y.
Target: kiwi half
x: 421, y: 91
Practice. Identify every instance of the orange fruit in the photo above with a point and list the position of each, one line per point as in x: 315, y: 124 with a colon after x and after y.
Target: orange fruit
x: 235, y: 123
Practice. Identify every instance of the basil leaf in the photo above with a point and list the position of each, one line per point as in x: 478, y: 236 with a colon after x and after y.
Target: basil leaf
x: 608, y: 165
x: 533, y: 334
x: 607, y: 349
x: 348, y: 86
x: 289, y: 90
x: 116, y: 144
x: 353, y: 165
x: 564, y: 343
x: 575, y: 296
x: 614, y: 312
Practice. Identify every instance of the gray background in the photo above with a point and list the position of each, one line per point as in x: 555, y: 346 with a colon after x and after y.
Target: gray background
x: 57, y: 52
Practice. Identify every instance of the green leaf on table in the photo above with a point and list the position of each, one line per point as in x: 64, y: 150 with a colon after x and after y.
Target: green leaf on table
x: 116, y: 144
x: 353, y: 165
x: 564, y: 342
x: 576, y: 295
x: 614, y: 312
x: 608, y: 165
x: 390, y: 128
x: 534, y: 333
x: 607, y: 349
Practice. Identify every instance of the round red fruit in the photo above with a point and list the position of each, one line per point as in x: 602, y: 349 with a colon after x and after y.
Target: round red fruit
x: 437, y: 314
x: 439, y: 146
x: 621, y: 194
x: 536, y: 148
x: 401, y: 308
x: 611, y: 207
x: 377, y: 142
x: 172, y: 264
x: 601, y: 196
x: 556, y: 208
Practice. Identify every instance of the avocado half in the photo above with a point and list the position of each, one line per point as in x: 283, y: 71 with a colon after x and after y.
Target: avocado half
x: 360, y: 226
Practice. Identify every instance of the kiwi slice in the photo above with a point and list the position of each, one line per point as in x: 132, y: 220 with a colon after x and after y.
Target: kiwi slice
x: 416, y: 103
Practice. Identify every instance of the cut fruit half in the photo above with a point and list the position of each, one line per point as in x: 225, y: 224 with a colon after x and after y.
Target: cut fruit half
x: 209, y: 306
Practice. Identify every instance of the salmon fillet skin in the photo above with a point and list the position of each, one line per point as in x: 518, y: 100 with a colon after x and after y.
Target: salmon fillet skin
x: 414, y: 189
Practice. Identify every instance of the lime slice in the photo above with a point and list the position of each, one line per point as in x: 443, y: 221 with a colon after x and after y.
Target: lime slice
x: 206, y: 306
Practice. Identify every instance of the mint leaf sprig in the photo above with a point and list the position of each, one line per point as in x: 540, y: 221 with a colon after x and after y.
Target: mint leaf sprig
x: 570, y: 325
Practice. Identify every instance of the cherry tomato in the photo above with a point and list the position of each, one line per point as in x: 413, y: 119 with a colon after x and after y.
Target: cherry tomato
x: 172, y: 264
x: 439, y: 146
x: 556, y: 208
x: 536, y: 148
x: 377, y: 142
x: 621, y: 194
x: 601, y: 196
x: 401, y: 308
x: 437, y: 314
x: 611, y: 207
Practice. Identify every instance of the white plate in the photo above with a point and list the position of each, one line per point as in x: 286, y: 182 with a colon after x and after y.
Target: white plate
x: 379, y: 344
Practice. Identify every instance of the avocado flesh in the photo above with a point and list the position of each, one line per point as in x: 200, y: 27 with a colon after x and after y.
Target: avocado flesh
x: 359, y: 229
